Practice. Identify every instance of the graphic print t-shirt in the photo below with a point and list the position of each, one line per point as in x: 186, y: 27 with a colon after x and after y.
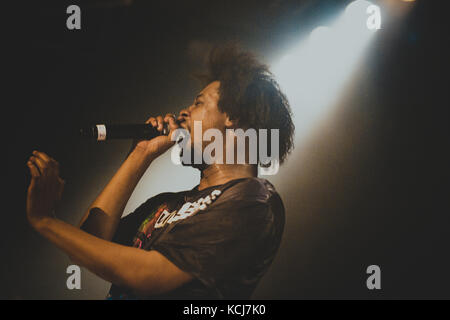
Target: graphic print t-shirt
x: 225, y: 236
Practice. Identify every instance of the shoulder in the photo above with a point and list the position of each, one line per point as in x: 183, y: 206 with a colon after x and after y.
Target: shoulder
x: 249, y: 190
x: 250, y: 205
x: 252, y: 198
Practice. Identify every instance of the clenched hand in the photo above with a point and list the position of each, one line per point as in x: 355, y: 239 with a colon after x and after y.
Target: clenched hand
x: 45, y: 188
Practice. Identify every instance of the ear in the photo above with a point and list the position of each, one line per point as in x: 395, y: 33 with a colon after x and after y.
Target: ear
x: 230, y: 124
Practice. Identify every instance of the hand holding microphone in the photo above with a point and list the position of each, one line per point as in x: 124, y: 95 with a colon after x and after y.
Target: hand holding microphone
x: 162, y: 142
x: 153, y: 137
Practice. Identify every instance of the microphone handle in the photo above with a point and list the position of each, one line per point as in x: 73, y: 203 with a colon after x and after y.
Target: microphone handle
x: 102, y: 132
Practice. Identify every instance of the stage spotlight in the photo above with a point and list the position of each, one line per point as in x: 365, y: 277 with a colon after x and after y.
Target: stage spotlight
x: 315, y: 72
x: 356, y: 11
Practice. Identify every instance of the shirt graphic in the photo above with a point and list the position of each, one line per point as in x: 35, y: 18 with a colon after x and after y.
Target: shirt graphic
x: 161, y: 216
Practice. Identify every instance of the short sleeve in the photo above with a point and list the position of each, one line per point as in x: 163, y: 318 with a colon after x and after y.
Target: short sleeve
x: 129, y: 224
x: 227, y: 243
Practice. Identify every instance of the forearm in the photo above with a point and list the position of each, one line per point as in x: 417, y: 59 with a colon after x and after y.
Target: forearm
x: 104, y: 213
x: 124, y: 266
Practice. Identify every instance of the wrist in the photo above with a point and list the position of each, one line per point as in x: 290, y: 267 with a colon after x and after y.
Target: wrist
x: 142, y: 155
x: 41, y: 223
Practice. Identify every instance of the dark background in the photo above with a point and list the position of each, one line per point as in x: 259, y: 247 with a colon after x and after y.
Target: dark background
x: 370, y: 186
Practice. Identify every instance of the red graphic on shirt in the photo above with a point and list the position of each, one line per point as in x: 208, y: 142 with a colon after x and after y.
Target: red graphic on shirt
x: 147, y: 226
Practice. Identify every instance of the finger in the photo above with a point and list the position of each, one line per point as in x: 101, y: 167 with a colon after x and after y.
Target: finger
x: 152, y: 121
x: 170, y: 119
x: 183, y: 115
x: 33, y: 170
x: 172, y: 123
x: 168, y: 116
x: 160, y: 122
x: 34, y: 176
x: 40, y: 164
x: 42, y: 156
x: 51, y: 163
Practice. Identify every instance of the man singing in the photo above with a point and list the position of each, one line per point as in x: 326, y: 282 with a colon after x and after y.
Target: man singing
x: 215, y: 241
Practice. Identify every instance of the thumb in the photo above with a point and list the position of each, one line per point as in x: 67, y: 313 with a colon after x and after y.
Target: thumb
x: 34, y: 173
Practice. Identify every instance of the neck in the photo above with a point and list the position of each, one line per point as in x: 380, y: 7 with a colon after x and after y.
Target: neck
x: 217, y: 174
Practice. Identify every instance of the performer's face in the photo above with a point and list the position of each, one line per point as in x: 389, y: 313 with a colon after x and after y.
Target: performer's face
x: 205, y: 109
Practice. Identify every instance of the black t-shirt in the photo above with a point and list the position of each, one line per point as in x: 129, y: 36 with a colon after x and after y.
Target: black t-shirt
x: 225, y: 236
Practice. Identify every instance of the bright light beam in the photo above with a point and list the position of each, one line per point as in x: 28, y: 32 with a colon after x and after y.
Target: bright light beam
x: 317, y: 70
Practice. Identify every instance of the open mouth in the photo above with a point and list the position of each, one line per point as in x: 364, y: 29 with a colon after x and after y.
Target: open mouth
x: 182, y: 124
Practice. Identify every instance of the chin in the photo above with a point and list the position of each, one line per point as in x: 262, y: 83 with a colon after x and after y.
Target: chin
x: 199, y: 166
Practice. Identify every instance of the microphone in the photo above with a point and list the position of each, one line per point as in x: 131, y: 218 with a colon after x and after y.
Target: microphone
x: 102, y: 132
